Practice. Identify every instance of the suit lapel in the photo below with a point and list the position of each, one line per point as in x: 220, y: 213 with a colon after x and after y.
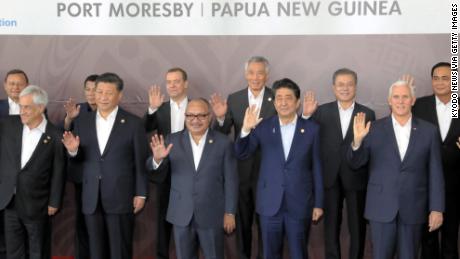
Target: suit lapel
x: 296, y: 139
x: 44, y: 141
x: 187, y: 147
x: 388, y: 125
x: 207, y: 151
x: 413, y: 137
x: 335, y: 116
x: 267, y: 102
x: 17, y: 143
x: 120, y: 120
x: 166, y: 118
x: 276, y: 130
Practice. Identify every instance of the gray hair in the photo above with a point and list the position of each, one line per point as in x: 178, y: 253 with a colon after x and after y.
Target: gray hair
x: 257, y: 59
x: 400, y: 83
x: 39, y: 95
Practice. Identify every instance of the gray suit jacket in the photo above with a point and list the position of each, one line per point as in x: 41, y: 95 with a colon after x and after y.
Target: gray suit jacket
x: 204, y: 194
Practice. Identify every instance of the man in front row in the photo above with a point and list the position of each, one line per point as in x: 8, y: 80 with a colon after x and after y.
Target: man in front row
x: 204, y: 183
x: 406, y: 184
x: 290, y: 185
x: 32, y: 173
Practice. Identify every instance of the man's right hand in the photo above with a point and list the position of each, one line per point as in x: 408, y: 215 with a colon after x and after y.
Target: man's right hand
x: 159, y: 150
x: 251, y: 118
x: 219, y: 106
x: 155, y: 97
x: 360, y: 128
x: 70, y: 142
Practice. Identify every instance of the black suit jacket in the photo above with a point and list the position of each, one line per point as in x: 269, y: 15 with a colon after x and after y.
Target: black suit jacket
x: 160, y: 121
x: 118, y: 173
x: 237, y: 104
x: 4, y: 108
x: 334, y: 147
x: 425, y: 108
x: 40, y: 182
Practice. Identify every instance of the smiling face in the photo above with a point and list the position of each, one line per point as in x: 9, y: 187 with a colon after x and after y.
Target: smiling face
x: 14, y: 84
x: 401, y: 100
x: 107, y: 97
x: 197, y: 117
x: 31, y: 113
x: 286, y: 103
x: 440, y: 81
x: 256, y: 75
x: 344, y: 88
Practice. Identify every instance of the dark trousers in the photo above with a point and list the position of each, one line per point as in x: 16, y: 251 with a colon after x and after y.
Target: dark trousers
x: 275, y: 228
x: 449, y: 232
x: 25, y: 239
x: 334, y: 198
x: 248, y: 171
x: 110, y: 235
x: 395, y: 237
x: 164, y: 228
x: 210, y: 240
x: 81, y: 233
x: 2, y: 236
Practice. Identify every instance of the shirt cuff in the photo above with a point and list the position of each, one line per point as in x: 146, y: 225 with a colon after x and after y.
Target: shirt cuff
x: 221, y: 122
x: 155, y: 165
x: 152, y: 111
x: 244, y: 134
x: 72, y: 154
x: 353, y: 147
x: 306, y: 117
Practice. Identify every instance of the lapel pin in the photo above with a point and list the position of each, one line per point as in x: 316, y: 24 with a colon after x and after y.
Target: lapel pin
x: 211, y: 141
x: 122, y: 121
x: 302, y: 130
x: 48, y: 137
x: 273, y: 130
x: 45, y: 141
x: 269, y: 99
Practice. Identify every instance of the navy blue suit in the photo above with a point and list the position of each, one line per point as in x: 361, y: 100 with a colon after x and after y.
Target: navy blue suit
x: 400, y: 192
x: 287, y: 188
x: 111, y: 179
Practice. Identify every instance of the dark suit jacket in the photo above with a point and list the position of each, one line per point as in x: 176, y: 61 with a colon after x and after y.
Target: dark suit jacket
x: 204, y: 194
x: 334, y: 147
x: 297, y: 180
x: 74, y: 169
x: 40, y: 182
x: 412, y: 187
x: 425, y: 108
x: 118, y: 173
x: 4, y: 108
x: 160, y: 121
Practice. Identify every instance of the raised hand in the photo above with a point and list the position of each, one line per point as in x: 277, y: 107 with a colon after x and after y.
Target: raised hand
x: 155, y: 97
x: 251, y: 118
x: 70, y: 142
x: 409, y: 79
x: 309, y: 103
x: 360, y: 128
x: 71, y: 109
x: 159, y: 150
x: 458, y: 142
x: 219, y: 106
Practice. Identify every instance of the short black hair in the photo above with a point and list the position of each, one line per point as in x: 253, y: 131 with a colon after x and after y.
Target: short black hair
x: 17, y: 71
x: 110, y: 78
x: 287, y: 83
x: 440, y: 64
x: 344, y: 71
x: 90, y: 78
x: 180, y: 70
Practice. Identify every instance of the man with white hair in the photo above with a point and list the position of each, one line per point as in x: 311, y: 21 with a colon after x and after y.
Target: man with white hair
x: 32, y: 173
x: 406, y: 184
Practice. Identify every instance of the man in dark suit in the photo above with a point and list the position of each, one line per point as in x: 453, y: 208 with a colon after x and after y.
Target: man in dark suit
x: 165, y: 118
x: 32, y: 174
x: 230, y: 116
x: 436, y: 109
x: 111, y: 145
x: 15, y: 81
x: 406, y: 185
x: 290, y: 185
x: 74, y: 169
x: 340, y: 181
x: 204, y: 186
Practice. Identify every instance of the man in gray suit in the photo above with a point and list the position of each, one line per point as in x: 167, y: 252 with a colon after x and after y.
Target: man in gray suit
x: 204, y: 183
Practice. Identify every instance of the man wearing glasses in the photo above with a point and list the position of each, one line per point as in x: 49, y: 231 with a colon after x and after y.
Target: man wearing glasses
x: 204, y: 183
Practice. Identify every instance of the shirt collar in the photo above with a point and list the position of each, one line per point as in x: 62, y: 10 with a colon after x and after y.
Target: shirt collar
x: 201, y: 139
x: 251, y: 95
x: 180, y: 105
x: 11, y: 102
x: 396, y: 123
x: 111, y: 116
x: 352, y: 106
x: 439, y: 102
x: 41, y: 127
x: 293, y: 122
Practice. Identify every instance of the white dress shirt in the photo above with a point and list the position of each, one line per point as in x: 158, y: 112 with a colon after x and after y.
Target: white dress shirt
x: 287, y: 135
x: 197, y: 151
x: 402, y: 133
x: 13, y: 107
x: 345, y: 117
x: 252, y: 100
x: 104, y: 128
x: 30, y: 139
x: 444, y: 116
x: 177, y: 114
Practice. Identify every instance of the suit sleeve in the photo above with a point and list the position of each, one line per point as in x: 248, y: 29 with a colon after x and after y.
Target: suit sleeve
x: 244, y: 147
x: 231, y: 180
x: 140, y: 156
x: 58, y: 175
x: 150, y: 121
x: 228, y: 121
x: 157, y: 175
x: 317, y: 172
x: 359, y: 158
x: 436, y: 177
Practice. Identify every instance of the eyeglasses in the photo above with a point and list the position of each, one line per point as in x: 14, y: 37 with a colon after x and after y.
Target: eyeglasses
x: 200, y: 116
